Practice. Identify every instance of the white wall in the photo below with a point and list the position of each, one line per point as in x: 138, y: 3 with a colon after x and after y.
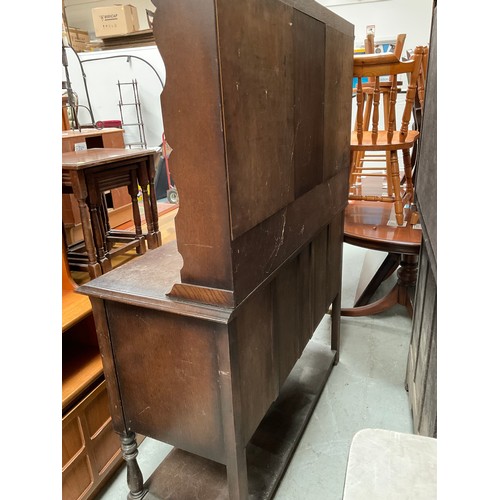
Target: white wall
x: 103, y: 70
x: 390, y: 17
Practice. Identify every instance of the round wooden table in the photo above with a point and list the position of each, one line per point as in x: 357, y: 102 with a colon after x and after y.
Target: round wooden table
x: 373, y: 225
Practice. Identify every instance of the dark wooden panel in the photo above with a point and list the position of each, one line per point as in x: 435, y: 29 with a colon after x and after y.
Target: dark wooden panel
x: 428, y: 421
x: 319, y: 262
x: 253, y: 348
x: 305, y: 296
x: 286, y: 324
x: 426, y: 169
x: 335, y: 247
x: 422, y: 360
x: 309, y: 88
x: 252, y: 81
x: 182, y: 407
x: 183, y: 476
x: 425, y: 362
x: 428, y: 296
x: 255, y: 43
x: 338, y: 107
x: 261, y: 251
x: 193, y: 127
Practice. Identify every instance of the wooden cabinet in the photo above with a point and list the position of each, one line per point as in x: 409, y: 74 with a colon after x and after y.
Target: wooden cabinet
x: 206, y: 340
x: 90, y: 448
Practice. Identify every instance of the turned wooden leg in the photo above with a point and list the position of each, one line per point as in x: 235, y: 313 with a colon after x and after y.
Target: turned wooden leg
x: 99, y: 238
x: 408, y: 174
x: 398, y: 203
x: 407, y: 279
x: 134, y: 474
x: 94, y: 267
x: 152, y: 197
x: 80, y: 191
x: 335, y: 328
x: 151, y: 235
x: 133, y: 191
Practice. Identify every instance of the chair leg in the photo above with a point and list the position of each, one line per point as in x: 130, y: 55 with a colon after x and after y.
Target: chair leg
x: 398, y: 203
x: 390, y: 187
x: 408, y: 173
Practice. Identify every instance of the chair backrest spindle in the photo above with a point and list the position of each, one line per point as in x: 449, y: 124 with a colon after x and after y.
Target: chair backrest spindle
x: 376, y: 102
x: 359, y: 116
x: 411, y: 92
x: 389, y: 66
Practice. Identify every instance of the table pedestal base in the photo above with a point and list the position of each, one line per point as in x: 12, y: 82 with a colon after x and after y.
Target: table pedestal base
x: 401, y: 293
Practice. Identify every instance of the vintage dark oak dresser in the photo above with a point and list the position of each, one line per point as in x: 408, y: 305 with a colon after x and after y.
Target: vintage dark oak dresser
x: 205, y: 340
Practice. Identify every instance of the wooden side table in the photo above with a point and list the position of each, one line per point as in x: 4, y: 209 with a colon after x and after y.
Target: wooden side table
x: 88, y: 174
x: 95, y: 138
x: 373, y: 225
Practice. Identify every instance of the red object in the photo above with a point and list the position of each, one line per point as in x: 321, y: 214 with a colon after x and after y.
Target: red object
x: 108, y: 124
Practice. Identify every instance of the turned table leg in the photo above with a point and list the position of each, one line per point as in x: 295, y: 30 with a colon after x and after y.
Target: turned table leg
x: 80, y: 191
x: 136, y: 214
x: 98, y: 230
x: 153, y: 235
x: 134, y: 475
x: 335, y: 328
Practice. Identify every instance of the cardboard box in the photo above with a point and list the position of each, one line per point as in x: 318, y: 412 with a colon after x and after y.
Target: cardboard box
x: 115, y: 20
x: 79, y: 39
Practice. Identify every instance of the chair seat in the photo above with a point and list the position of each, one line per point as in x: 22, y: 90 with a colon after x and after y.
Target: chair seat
x: 382, y: 144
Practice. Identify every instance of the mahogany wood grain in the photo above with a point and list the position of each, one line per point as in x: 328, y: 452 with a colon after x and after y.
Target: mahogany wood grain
x: 372, y: 225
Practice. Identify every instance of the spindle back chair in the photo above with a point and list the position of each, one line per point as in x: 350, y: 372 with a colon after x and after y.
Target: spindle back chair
x: 368, y: 163
x: 371, y: 134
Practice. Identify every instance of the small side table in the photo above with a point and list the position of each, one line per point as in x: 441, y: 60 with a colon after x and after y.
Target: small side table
x: 88, y: 175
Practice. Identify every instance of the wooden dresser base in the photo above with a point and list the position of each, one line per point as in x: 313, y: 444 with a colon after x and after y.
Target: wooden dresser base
x: 184, y: 476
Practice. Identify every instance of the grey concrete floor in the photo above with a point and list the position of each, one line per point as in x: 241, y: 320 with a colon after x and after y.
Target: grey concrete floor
x: 365, y: 390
